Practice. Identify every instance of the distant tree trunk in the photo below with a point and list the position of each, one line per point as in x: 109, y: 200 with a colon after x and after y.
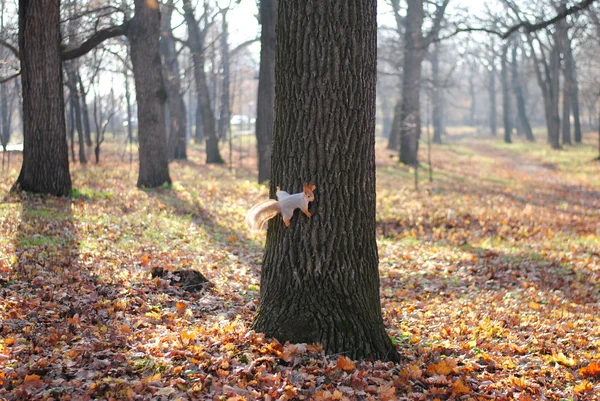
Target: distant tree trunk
x: 4, y: 117
x: 76, y: 107
x: 45, y: 167
x: 523, y: 121
x: 553, y: 129
x: 319, y: 280
x: 410, y: 128
x: 492, y: 95
x: 266, y: 88
x: 196, y: 44
x: 71, y: 130
x: 129, y: 106
x: 223, y: 125
x: 85, y: 112
x: 386, y: 117
x: 506, y: 112
x: 144, y: 33
x: 177, y: 112
x: 394, y: 139
x: 570, y: 89
x: 472, y: 95
x: 437, y: 113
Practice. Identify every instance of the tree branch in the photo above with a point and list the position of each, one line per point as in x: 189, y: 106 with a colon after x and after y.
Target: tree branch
x: 94, y: 41
x: 10, y: 47
x: 529, y: 27
x: 3, y: 80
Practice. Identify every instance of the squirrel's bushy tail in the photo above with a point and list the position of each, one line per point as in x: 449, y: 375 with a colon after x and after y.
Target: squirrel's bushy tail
x: 260, y: 213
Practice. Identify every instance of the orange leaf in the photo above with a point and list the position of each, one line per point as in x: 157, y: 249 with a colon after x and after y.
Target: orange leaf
x: 593, y: 369
x: 145, y: 259
x: 180, y: 307
x: 9, y: 341
x: 32, y: 380
x: 345, y: 364
x: 152, y: 4
x: 460, y: 388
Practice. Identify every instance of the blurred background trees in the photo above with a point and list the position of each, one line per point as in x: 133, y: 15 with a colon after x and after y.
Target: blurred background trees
x: 461, y: 67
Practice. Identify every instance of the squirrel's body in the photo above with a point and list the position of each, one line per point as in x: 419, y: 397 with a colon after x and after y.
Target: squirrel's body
x: 285, y: 205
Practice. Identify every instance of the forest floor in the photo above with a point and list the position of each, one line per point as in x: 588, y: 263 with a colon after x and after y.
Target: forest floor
x: 490, y: 284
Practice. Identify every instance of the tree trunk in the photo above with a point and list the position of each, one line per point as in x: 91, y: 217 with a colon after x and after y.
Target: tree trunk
x: 472, y: 95
x: 266, y: 88
x: 566, y: 112
x: 143, y: 33
x: 522, y: 119
x: 492, y: 95
x: 319, y: 280
x: 4, y: 117
x: 223, y: 125
x: 437, y: 113
x: 177, y: 112
x: 45, y: 167
x: 554, y: 88
x: 394, y: 139
x: 506, y: 113
x: 410, y: 122
x: 196, y: 44
x: 76, y: 105
x: 85, y: 113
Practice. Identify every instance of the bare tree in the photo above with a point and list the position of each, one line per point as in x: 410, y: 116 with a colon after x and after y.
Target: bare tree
x: 266, y: 88
x: 416, y: 45
x: 195, y: 42
x: 522, y: 120
x: 177, y: 142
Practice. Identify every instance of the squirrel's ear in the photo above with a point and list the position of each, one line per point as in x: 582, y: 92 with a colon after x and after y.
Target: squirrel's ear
x: 309, y: 187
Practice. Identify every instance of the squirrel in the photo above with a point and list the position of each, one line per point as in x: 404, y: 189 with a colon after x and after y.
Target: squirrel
x: 285, y: 205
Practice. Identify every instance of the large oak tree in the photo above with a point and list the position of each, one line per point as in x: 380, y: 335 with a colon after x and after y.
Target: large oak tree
x: 45, y: 167
x: 319, y: 280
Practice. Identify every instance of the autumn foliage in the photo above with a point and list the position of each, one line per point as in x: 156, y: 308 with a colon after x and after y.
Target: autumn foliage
x: 490, y: 285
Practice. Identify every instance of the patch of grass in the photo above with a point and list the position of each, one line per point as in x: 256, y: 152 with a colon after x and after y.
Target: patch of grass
x: 77, y: 193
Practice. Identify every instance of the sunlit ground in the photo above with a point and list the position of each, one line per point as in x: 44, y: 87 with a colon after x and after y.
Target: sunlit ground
x: 490, y: 282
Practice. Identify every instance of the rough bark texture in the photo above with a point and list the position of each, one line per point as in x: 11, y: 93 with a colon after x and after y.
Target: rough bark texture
x: 196, y: 44
x: 45, y: 167
x: 319, y: 281
x: 266, y: 88
x: 143, y: 33
x: 506, y: 112
x: 178, y: 119
x: 522, y: 120
x: 410, y: 126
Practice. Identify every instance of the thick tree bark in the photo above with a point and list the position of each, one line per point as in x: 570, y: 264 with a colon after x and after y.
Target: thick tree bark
x: 196, y: 44
x: 319, y: 281
x: 178, y: 120
x: 45, y: 167
x: 523, y: 121
x: 437, y: 114
x: 506, y: 112
x: 410, y: 126
x: 144, y: 33
x: 266, y: 89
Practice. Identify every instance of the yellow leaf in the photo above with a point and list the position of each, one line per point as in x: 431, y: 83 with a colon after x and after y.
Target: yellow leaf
x: 534, y: 305
x: 583, y: 387
x: 562, y: 359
